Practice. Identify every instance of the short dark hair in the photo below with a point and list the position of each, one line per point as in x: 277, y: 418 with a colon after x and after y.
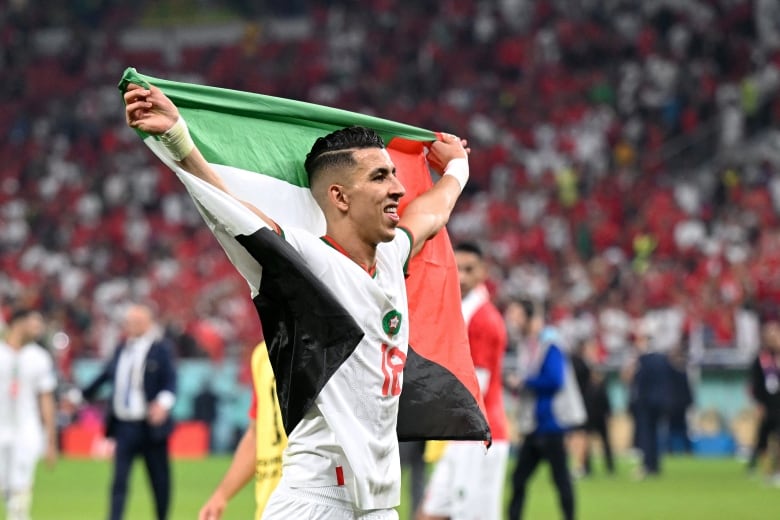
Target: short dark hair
x: 20, y: 313
x: 469, y: 247
x: 332, y: 149
x: 528, y: 306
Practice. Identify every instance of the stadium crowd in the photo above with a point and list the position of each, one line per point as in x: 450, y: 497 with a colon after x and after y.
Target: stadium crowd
x: 604, y: 172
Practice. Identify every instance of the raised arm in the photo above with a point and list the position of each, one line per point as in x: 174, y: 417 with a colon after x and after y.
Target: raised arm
x: 150, y: 111
x: 429, y: 212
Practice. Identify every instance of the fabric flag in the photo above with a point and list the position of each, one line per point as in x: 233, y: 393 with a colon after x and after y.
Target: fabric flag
x: 258, y: 144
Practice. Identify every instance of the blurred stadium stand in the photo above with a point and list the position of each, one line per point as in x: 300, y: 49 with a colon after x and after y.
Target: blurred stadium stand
x: 626, y: 162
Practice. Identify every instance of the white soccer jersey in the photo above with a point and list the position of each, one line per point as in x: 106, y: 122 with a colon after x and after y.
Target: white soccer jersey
x: 24, y: 375
x: 349, y: 436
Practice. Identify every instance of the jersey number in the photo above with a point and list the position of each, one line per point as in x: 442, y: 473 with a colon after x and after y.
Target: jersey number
x: 277, y: 427
x: 393, y: 361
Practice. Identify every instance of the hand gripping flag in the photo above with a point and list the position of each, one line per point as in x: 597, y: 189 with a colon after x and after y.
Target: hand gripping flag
x: 258, y: 144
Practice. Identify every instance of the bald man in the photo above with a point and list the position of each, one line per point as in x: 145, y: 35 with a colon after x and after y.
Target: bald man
x: 143, y: 380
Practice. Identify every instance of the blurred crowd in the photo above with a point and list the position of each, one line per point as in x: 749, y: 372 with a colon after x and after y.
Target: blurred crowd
x: 625, y: 163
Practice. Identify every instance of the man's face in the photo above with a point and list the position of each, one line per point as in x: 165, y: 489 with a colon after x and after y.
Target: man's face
x: 374, y: 194
x: 32, y: 327
x: 138, y: 320
x: 471, y: 271
x: 771, y: 334
x: 517, y: 317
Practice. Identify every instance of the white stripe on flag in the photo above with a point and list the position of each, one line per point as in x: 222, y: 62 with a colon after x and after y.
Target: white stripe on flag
x: 225, y: 216
x: 288, y: 205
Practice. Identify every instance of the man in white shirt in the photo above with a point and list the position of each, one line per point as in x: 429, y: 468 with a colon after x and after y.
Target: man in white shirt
x: 342, y: 457
x: 143, y: 380
x: 27, y: 410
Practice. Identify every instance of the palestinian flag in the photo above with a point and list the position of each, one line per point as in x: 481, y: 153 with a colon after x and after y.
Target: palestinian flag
x: 258, y: 145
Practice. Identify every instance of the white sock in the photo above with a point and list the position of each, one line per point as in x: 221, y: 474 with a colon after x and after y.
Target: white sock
x: 18, y: 505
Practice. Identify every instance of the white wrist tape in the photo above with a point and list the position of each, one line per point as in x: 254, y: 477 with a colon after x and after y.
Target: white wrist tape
x: 177, y: 140
x: 458, y: 168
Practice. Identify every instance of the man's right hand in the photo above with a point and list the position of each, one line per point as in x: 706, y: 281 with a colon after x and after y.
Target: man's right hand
x: 213, y: 509
x: 149, y: 110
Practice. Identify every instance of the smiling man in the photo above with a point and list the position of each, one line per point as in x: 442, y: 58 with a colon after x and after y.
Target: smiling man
x: 342, y: 458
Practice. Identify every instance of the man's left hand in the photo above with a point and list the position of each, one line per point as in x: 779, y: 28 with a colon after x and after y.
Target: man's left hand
x: 157, y: 414
x: 444, y: 150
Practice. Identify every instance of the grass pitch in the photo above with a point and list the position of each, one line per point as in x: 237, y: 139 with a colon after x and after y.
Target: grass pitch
x: 690, y: 489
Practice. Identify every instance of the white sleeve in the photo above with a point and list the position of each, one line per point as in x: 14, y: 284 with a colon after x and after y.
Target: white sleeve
x: 47, y: 381
x: 483, y: 378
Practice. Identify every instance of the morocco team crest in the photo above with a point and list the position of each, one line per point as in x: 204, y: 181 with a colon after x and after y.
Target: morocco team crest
x: 391, y: 323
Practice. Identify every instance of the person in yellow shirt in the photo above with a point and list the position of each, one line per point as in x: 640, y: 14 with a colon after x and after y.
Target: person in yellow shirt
x: 259, y: 453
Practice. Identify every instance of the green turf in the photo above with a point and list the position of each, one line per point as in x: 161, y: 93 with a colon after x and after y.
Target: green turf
x: 690, y: 489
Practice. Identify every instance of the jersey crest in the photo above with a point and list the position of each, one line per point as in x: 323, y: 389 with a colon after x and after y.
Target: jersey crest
x: 391, y: 323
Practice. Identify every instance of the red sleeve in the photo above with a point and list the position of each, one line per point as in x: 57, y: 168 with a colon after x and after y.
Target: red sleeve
x: 253, y: 406
x: 487, y: 338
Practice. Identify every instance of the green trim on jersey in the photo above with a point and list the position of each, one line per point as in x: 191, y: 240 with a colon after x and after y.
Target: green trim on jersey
x: 411, y: 247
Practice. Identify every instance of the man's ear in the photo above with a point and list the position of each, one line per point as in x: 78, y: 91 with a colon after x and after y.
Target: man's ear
x: 339, y: 197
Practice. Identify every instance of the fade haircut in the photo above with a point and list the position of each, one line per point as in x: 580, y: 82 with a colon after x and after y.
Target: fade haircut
x: 469, y: 247
x: 335, y: 149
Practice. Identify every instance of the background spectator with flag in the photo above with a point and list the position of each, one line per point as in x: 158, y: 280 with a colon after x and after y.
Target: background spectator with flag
x: 340, y: 373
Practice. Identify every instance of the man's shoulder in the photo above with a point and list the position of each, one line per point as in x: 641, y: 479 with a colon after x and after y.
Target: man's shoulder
x: 488, y: 319
x: 36, y: 351
x: 162, y: 346
x: 307, y: 244
x: 402, y: 241
x: 489, y: 313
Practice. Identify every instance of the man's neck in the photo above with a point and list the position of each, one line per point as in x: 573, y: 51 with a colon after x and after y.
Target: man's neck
x: 356, y: 249
x: 15, y: 341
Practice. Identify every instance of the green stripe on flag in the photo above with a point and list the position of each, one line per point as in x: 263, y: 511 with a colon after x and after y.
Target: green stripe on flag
x: 260, y: 133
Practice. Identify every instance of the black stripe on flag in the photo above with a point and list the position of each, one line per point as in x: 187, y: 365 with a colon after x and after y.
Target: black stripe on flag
x: 308, y: 332
x: 436, y: 405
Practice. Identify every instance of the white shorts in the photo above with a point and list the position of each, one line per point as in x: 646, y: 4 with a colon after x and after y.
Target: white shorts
x: 467, y: 483
x: 325, y: 503
x: 17, y: 466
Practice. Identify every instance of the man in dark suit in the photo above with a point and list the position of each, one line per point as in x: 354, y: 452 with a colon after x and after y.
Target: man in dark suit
x: 649, y: 378
x: 143, y: 380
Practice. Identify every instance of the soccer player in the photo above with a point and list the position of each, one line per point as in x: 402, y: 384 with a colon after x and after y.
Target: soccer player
x: 27, y: 410
x: 259, y: 452
x: 342, y: 458
x: 467, y: 483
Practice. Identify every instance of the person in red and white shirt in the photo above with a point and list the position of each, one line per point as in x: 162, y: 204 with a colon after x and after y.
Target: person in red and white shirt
x: 467, y: 483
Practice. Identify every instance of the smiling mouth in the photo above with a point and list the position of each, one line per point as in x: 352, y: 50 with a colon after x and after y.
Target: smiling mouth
x: 392, y: 212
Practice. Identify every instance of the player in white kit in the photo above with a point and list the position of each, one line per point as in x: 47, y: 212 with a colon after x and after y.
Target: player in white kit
x: 27, y: 410
x: 342, y: 458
